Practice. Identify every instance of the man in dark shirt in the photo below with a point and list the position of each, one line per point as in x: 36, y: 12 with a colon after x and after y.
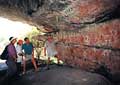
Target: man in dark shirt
x: 29, y: 52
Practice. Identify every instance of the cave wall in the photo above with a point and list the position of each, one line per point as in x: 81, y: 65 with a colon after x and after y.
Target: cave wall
x: 94, y: 46
x: 87, y: 31
x: 94, y: 39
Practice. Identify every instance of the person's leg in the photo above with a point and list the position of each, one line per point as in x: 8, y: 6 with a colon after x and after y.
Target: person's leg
x: 11, y: 71
x: 48, y: 63
x: 34, y: 63
x: 18, y: 68
x: 24, y: 64
x: 12, y: 68
x: 58, y: 59
x: 18, y: 64
x: 8, y: 75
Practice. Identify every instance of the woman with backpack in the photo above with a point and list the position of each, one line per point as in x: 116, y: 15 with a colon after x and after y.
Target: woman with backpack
x: 12, y: 58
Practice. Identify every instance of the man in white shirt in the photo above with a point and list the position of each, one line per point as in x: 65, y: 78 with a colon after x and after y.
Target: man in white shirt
x: 50, y: 50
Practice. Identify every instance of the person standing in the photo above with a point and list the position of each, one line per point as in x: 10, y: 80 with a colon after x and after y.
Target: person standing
x: 20, y: 58
x: 29, y: 52
x: 12, y: 58
x: 50, y: 50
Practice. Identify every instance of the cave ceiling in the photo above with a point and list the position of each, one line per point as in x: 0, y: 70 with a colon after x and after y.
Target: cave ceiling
x: 57, y: 15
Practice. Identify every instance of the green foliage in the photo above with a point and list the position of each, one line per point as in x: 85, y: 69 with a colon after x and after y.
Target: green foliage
x: 37, y: 44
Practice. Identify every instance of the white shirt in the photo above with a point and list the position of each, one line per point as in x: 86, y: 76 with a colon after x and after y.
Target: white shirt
x: 50, y: 49
x: 19, y: 50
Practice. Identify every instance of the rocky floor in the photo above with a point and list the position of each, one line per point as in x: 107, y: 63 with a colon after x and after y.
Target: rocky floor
x: 60, y: 75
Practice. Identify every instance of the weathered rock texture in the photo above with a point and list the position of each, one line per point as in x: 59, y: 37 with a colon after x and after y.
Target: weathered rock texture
x: 92, y: 47
x: 62, y: 76
x: 88, y: 31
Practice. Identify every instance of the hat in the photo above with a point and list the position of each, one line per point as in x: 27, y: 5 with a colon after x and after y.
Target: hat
x: 12, y: 38
x: 19, y: 41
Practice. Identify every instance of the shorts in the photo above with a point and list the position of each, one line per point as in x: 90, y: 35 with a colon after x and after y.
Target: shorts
x: 28, y: 57
x: 51, y: 54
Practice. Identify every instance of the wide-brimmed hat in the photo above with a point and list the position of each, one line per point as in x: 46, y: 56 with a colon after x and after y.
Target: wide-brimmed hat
x: 12, y: 38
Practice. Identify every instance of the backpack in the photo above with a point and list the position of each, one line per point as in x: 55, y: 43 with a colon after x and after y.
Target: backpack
x: 4, y: 55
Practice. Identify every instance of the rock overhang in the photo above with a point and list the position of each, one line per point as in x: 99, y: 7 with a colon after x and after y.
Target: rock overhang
x: 94, y: 23
x: 62, y: 14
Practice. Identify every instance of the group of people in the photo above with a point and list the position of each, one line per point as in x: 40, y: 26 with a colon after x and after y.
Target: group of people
x: 18, y: 56
x: 24, y: 50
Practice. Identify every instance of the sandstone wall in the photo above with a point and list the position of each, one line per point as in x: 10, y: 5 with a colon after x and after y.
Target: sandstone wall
x: 95, y: 37
x: 92, y: 47
x: 88, y: 31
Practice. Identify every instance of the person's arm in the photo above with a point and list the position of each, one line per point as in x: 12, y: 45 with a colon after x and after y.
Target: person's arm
x: 44, y: 51
x: 15, y: 58
x: 32, y: 50
x: 45, y: 48
x: 23, y: 52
